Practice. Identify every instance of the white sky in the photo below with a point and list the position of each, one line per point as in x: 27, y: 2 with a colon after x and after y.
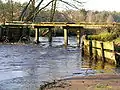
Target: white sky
x: 109, y: 5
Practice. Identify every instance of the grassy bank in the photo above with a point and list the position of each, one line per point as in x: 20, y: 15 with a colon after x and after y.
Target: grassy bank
x: 112, y: 35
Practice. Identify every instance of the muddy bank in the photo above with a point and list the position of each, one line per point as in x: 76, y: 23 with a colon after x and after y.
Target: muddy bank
x: 96, y: 82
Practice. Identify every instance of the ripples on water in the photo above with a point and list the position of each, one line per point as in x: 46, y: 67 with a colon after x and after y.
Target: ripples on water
x: 25, y: 67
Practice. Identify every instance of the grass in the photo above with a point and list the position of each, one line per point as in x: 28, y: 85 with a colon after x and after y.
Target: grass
x: 117, y: 44
x: 108, y: 36
x: 104, y: 36
x: 117, y: 41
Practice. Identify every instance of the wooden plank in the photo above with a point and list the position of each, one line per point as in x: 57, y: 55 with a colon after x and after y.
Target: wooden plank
x: 98, y: 44
x: 108, y: 45
x: 109, y: 55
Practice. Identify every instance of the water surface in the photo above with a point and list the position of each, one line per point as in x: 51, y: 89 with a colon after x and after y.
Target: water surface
x: 26, y: 66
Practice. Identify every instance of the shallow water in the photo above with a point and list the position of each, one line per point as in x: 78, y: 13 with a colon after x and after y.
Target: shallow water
x: 25, y: 67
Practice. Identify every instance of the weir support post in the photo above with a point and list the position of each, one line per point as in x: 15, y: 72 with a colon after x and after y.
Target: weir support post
x: 37, y: 36
x: 78, y: 38
x: 65, y: 37
x: 50, y: 36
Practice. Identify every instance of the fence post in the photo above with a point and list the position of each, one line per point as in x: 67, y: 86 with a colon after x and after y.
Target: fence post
x: 90, y: 53
x: 103, y: 55
x: 114, y: 51
x: 95, y: 51
x: 82, y: 49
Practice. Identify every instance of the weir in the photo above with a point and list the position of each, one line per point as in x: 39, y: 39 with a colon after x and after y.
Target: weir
x: 21, y: 28
x: 65, y: 29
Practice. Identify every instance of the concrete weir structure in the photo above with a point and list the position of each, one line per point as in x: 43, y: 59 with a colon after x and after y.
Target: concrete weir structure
x: 65, y: 29
x: 14, y: 33
x: 21, y: 30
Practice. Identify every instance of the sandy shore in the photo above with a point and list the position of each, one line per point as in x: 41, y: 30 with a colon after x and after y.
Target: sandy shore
x: 96, y: 82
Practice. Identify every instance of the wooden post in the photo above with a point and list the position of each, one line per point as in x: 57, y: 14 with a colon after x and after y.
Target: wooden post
x: 21, y: 31
x: 37, y: 36
x: 90, y: 53
x: 117, y: 63
x: 1, y: 32
x: 28, y: 33
x: 78, y: 38
x: 103, y: 55
x: 95, y: 52
x: 83, y: 49
x: 28, y: 30
x: 50, y: 36
x: 65, y: 37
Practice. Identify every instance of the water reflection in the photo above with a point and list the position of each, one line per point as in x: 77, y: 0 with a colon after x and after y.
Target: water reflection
x: 99, y: 65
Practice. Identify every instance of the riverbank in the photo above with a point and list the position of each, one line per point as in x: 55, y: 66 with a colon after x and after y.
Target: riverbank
x: 96, y: 82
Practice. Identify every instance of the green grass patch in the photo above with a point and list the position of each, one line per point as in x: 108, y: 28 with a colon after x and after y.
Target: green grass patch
x: 117, y: 41
x: 117, y: 44
x: 101, y: 85
x: 105, y: 36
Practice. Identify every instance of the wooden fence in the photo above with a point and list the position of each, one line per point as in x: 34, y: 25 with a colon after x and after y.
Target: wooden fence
x: 104, y: 50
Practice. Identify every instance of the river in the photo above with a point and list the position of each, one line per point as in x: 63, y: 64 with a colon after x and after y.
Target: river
x: 26, y: 66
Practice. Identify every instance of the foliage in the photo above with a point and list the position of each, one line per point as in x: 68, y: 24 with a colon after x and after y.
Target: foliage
x: 105, y: 36
x: 12, y: 11
x: 32, y: 33
x: 117, y: 41
x: 117, y: 44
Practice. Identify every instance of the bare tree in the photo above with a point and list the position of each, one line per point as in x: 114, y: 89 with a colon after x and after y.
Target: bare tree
x: 53, y: 9
x: 24, y: 11
x: 40, y: 7
x: 90, y: 16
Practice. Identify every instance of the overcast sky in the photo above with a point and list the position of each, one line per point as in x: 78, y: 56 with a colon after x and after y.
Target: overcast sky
x: 110, y: 5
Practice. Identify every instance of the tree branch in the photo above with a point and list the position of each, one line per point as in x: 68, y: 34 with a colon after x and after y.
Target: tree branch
x: 23, y: 12
x: 53, y: 9
x: 78, y: 1
x: 69, y: 4
x: 35, y: 13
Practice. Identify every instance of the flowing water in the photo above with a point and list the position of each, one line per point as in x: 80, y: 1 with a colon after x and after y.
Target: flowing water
x: 25, y: 67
